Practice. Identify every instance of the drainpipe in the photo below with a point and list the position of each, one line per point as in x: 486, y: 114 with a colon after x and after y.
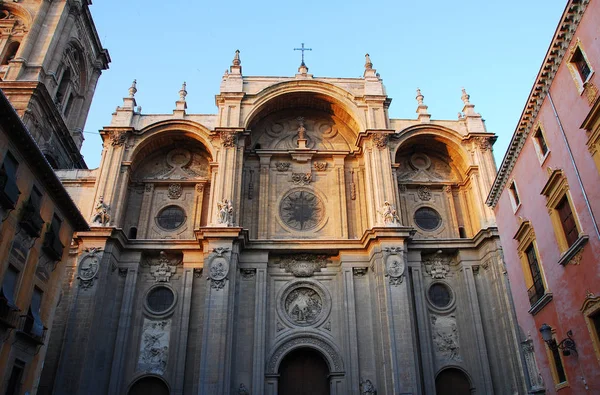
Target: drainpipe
x: 564, y: 136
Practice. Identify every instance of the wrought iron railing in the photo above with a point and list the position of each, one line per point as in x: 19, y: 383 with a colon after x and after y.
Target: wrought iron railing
x: 536, y: 292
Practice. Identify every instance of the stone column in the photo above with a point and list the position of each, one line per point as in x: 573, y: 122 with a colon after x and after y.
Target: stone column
x: 123, y: 332
x: 264, y: 195
x: 220, y: 266
x: 145, y: 210
x: 352, y: 365
x: 338, y: 163
x: 183, y: 325
x: 260, y: 331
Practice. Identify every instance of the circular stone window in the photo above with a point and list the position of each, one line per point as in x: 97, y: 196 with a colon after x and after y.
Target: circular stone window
x: 301, y: 210
x: 160, y: 300
x: 171, y: 217
x: 440, y: 295
x: 427, y: 218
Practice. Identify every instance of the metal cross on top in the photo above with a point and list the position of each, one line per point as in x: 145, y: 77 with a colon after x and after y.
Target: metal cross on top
x: 302, y: 49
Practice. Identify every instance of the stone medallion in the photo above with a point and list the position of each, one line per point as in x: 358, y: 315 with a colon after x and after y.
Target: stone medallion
x: 301, y: 210
x: 304, y: 303
x: 88, y: 267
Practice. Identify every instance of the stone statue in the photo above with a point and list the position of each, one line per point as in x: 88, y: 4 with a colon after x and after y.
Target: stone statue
x: 367, y: 387
x: 389, y: 214
x: 243, y: 390
x: 225, y: 212
x: 101, y: 215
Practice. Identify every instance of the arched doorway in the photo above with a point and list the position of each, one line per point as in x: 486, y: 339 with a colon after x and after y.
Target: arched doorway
x: 452, y: 381
x: 303, y: 372
x: 149, y: 385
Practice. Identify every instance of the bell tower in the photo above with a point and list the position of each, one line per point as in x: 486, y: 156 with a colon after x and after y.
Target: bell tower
x: 50, y: 61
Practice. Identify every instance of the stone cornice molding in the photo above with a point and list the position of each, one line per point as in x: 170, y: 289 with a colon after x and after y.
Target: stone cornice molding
x: 554, y: 57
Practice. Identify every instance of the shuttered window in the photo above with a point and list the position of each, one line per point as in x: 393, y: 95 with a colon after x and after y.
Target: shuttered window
x: 567, y: 221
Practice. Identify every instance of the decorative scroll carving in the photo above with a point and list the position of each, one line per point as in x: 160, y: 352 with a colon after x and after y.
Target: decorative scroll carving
x: 445, y: 337
x: 154, y: 346
x: 367, y: 387
x: 200, y: 188
x: 118, y: 138
x: 380, y: 140
x: 282, y: 166
x: 148, y: 187
x: 247, y: 273
x: 303, y: 265
x: 436, y: 265
x: 424, y: 193
x: 198, y: 272
x: 359, y: 271
x: 303, y: 306
x: 178, y: 164
x: 225, y: 212
x: 163, y: 267
x: 483, y: 143
x: 352, y: 186
x: 301, y: 178
x: 228, y: 139
x: 175, y: 191
x: 89, y: 266
x: 389, y: 214
x: 320, y: 166
x: 101, y: 216
x: 218, y: 268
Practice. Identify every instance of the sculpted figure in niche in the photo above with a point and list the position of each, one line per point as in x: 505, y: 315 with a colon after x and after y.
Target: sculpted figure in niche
x: 101, y: 215
x: 389, y: 214
x: 367, y: 387
x: 225, y: 212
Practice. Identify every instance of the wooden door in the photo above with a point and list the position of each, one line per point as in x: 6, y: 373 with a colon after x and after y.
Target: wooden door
x: 452, y: 382
x: 303, y: 372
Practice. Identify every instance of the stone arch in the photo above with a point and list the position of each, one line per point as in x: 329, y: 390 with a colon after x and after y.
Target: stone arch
x: 153, y: 136
x: 330, y: 352
x: 453, y: 369
x: 342, y: 102
x: 451, y: 138
x: 20, y: 12
x: 152, y: 379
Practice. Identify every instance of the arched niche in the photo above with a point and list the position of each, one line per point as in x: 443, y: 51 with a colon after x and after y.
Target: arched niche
x: 328, y: 125
x: 329, y: 352
x: 168, y: 181
x: 149, y: 385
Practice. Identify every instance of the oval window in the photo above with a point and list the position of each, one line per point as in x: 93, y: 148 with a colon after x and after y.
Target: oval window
x: 427, y: 218
x: 171, y: 217
x: 160, y: 300
x: 439, y: 295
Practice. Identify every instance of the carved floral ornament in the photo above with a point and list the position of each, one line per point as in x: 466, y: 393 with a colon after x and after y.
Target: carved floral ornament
x: 437, y: 265
x: 118, y: 138
x: 424, y: 193
x: 282, y: 166
x: 301, y: 178
x: 228, y: 139
x: 163, y: 267
x: 303, y: 265
x: 174, y: 191
x: 320, y: 166
x: 89, y: 266
x: 218, y: 268
x: 380, y: 140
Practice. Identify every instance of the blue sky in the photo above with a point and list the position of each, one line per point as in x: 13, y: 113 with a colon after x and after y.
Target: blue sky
x: 492, y: 48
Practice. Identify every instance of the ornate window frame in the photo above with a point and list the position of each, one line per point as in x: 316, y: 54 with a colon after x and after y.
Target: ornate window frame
x: 555, y: 190
x: 577, y: 78
x: 592, y: 126
x: 589, y: 308
x: 538, y: 131
x: 525, y: 237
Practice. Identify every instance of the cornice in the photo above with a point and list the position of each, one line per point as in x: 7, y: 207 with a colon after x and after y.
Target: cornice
x: 554, y: 56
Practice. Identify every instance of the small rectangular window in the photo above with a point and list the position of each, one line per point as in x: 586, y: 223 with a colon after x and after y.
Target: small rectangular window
x: 541, y: 142
x: 567, y: 221
x: 9, y: 286
x: 581, y: 64
x: 514, y: 196
x: 558, y: 365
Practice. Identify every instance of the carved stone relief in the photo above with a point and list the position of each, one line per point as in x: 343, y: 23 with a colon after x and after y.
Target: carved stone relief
x: 89, y: 266
x: 437, y: 265
x: 303, y: 306
x: 320, y: 166
x: 282, y: 166
x: 535, y: 377
x: 175, y: 191
x: 218, y: 268
x: 225, y: 211
x: 176, y: 164
x: 424, y: 193
x: 228, y: 139
x: 101, y: 214
x: 394, y: 265
x: 380, y: 140
x: 367, y: 387
x: 118, y: 138
x: 163, y: 267
x: 154, y: 346
x: 424, y: 168
x: 301, y: 178
x: 359, y: 271
x: 303, y: 265
x: 247, y: 273
x: 445, y: 337
x: 301, y: 210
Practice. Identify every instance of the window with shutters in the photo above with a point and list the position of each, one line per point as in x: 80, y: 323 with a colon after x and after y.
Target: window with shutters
x: 567, y: 229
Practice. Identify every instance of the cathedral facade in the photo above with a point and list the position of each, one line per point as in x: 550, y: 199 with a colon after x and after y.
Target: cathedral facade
x: 297, y: 241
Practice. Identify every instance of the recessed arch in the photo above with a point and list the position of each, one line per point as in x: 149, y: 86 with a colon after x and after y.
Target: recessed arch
x: 453, y: 380
x: 20, y: 12
x: 149, y: 384
x: 328, y: 350
x: 325, y: 97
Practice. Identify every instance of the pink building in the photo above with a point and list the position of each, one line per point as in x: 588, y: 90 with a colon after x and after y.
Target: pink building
x: 546, y: 197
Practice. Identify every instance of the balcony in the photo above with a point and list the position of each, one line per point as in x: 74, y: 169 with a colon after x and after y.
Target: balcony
x: 538, y: 297
x: 31, y: 330
x: 9, y: 315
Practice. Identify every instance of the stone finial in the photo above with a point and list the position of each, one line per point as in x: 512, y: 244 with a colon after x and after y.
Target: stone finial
x: 368, y: 63
x: 465, y: 97
x: 133, y: 89
x: 303, y: 69
x: 236, y: 58
x: 182, y: 92
x: 419, y: 97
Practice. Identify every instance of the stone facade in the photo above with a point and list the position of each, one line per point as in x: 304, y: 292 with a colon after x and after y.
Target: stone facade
x: 298, y: 216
